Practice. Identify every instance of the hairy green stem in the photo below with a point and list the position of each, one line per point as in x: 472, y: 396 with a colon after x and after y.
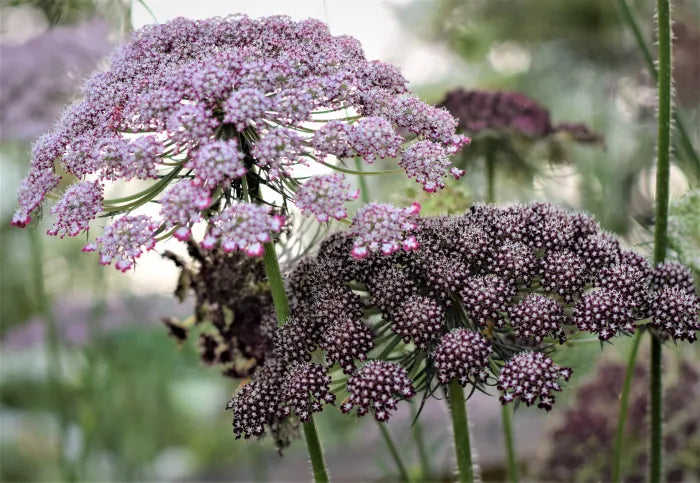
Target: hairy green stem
x: 315, y: 452
x: 395, y: 454
x: 426, y: 472
x: 622, y: 417
x: 460, y: 432
x: 663, y: 15
x: 506, y: 416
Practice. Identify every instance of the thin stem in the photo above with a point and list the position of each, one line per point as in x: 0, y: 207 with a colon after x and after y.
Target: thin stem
x: 389, y: 441
x: 510, y: 445
x: 460, y: 432
x: 622, y: 417
x: 422, y: 452
x: 663, y: 15
x: 315, y: 452
x: 360, y: 173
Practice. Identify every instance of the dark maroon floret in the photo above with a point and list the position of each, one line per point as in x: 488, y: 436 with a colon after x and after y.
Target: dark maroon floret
x: 672, y: 274
x: 604, y: 312
x: 530, y: 376
x: 675, y: 313
x: 485, y: 298
x: 305, y: 390
x: 463, y: 355
x: 378, y: 386
x: 347, y: 340
x: 564, y: 274
x: 419, y: 320
x: 537, y: 317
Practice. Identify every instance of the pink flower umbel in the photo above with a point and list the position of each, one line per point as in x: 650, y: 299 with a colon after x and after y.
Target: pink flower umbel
x: 382, y: 227
x: 244, y: 227
x: 80, y: 204
x: 210, y: 113
x: 181, y: 206
x: 215, y: 162
x: 427, y: 163
x: 125, y: 240
x: 325, y: 197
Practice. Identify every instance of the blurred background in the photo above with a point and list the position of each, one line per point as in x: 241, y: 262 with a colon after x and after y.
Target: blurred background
x: 93, y: 389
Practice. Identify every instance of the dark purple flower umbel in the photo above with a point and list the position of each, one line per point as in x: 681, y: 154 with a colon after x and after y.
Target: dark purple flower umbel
x: 463, y: 355
x: 305, y: 390
x: 537, y: 317
x: 378, y: 386
x: 531, y: 376
x: 676, y: 313
x: 508, y: 111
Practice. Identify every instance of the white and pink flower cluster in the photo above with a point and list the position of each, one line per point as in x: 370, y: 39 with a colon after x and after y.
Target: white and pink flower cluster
x: 199, y: 108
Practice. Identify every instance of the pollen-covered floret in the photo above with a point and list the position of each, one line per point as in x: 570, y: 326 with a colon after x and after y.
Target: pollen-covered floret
x: 305, y: 390
x: 382, y: 227
x: 124, y: 240
x: 463, y: 355
x: 676, y: 313
x: 346, y: 340
x: 80, y: 204
x: 181, y: 206
x: 530, y: 376
x: 378, y: 386
x: 485, y: 298
x: 243, y: 226
x: 564, y: 274
x: 672, y: 274
x: 325, y: 196
x: 427, y: 163
x: 604, y: 312
x: 537, y: 317
x: 216, y: 161
x: 420, y: 320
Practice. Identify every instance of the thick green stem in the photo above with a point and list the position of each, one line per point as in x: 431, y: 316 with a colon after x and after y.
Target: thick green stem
x: 663, y: 15
x: 622, y: 417
x: 315, y: 451
x: 510, y: 444
x: 422, y: 452
x: 460, y: 432
x: 274, y: 278
x: 389, y: 441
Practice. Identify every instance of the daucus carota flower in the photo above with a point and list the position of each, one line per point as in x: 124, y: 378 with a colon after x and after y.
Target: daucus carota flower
x: 305, y: 390
x: 675, y: 312
x: 244, y: 227
x: 463, y: 355
x: 485, y: 298
x: 124, y: 240
x: 427, y: 163
x: 537, y: 317
x: 216, y: 161
x: 672, y: 274
x: 213, y: 101
x: 346, y: 340
x: 378, y: 386
x: 325, y: 196
x: 383, y: 227
x: 181, y: 207
x: 419, y: 319
x: 80, y: 204
x: 604, y: 312
x: 530, y: 376
x: 564, y: 274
